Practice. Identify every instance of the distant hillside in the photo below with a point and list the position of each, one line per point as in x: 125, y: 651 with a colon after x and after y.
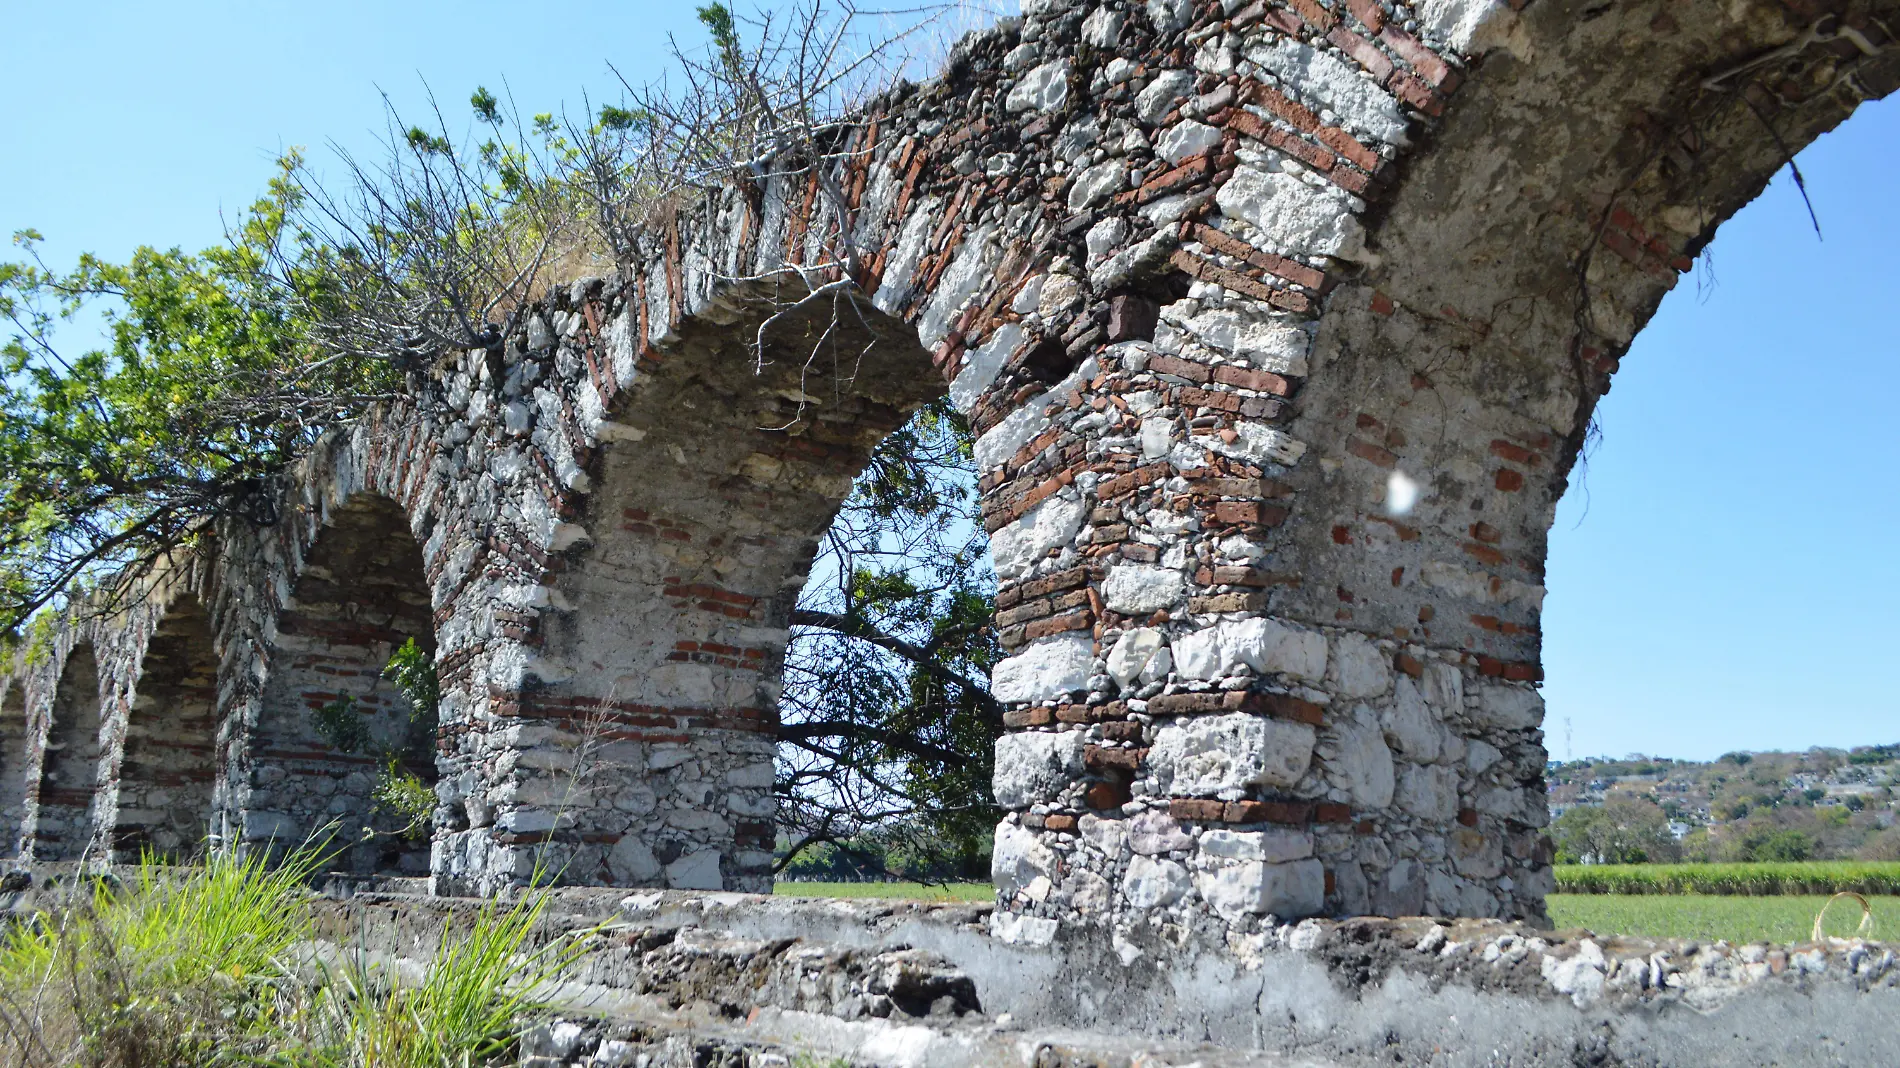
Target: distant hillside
x: 1824, y: 804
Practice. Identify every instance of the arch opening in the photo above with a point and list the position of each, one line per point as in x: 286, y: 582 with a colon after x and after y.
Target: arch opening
x: 341, y: 754
x: 648, y: 729
x: 169, y: 767
x: 12, y: 766
x: 69, y: 775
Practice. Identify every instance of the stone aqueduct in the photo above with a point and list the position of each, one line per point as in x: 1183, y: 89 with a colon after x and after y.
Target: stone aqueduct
x: 1221, y: 286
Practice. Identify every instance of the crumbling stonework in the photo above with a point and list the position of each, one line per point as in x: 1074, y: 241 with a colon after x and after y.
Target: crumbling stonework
x: 1280, y: 324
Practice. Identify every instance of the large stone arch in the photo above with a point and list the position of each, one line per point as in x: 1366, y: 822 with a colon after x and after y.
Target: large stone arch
x: 167, y: 758
x: 68, y: 780
x: 359, y: 593
x: 1218, y: 285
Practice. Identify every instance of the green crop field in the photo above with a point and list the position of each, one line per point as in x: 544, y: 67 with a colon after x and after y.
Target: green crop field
x: 1816, y: 877
x: 1705, y: 917
x: 1708, y: 917
x: 908, y: 891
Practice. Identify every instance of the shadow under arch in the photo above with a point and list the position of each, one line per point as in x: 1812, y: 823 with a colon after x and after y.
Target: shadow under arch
x: 332, y: 727
x: 169, y: 767
x: 69, y: 774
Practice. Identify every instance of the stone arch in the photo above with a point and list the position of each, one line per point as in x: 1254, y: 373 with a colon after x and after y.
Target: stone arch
x: 168, y: 765
x: 360, y: 593
x: 13, y: 761
x: 69, y: 771
x: 663, y: 612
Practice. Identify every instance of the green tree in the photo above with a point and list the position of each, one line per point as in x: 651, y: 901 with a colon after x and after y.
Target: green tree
x: 204, y: 388
x: 1619, y: 831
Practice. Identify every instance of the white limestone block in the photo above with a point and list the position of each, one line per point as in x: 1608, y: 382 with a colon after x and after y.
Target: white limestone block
x: 1187, y: 138
x: 1221, y: 756
x: 1018, y: 858
x: 1295, y: 214
x: 1361, y: 665
x: 983, y: 363
x: 1103, y: 27
x: 1044, y: 89
x: 1410, y: 726
x: 1132, y: 652
x: 1470, y: 26
x: 632, y: 862
x: 1269, y: 646
x: 1097, y: 184
x: 1139, y: 589
x: 1169, y: 16
x: 1045, y: 670
x: 1198, y: 655
x: 1268, y: 345
x: 1362, y: 764
x: 1014, y: 549
x: 1152, y: 883
x: 1034, y: 767
x: 1428, y: 791
x: 1287, y: 891
x: 1153, y: 832
x: 1161, y: 94
x: 1507, y: 707
x: 698, y: 870
x: 1257, y: 443
x: 1277, y: 846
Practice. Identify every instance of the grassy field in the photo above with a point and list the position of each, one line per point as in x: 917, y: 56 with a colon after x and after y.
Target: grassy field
x: 1817, y: 877
x: 1707, y: 917
x: 909, y: 891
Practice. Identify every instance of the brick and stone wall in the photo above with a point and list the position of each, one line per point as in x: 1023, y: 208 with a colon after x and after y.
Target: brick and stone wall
x: 1281, y: 325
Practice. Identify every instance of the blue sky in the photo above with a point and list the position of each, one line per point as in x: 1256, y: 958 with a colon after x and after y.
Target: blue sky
x: 1732, y: 584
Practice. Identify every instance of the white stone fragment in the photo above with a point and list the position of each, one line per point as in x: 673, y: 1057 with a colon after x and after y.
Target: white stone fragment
x: 1105, y: 237
x: 1161, y: 94
x: 1428, y: 791
x: 1153, y: 832
x: 1286, y: 890
x: 1255, y: 443
x: 698, y: 870
x: 1361, y: 104
x: 1153, y: 883
x: 1044, y: 89
x: 1141, y: 589
x: 1275, y: 846
x: 1362, y: 764
x: 1170, y: 16
x: 1198, y: 655
x: 632, y: 862
x: 1103, y: 27
x: 1035, y: 766
x: 1018, y: 858
x: 1048, y: 669
x: 1581, y: 976
x: 983, y: 364
x: 1271, y: 647
x: 1507, y: 707
x: 1470, y: 26
x: 1410, y: 726
x: 1098, y: 183
x: 1015, y: 548
x: 1361, y: 666
x: 1132, y: 652
x: 1017, y: 929
x: 1212, y: 756
x: 1187, y: 138
x: 1268, y: 345
x: 1295, y: 214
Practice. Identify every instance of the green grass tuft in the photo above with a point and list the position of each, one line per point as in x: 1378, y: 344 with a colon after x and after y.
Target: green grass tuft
x: 1707, y: 918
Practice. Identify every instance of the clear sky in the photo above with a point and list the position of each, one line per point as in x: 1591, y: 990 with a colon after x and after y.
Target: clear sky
x: 1732, y: 584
